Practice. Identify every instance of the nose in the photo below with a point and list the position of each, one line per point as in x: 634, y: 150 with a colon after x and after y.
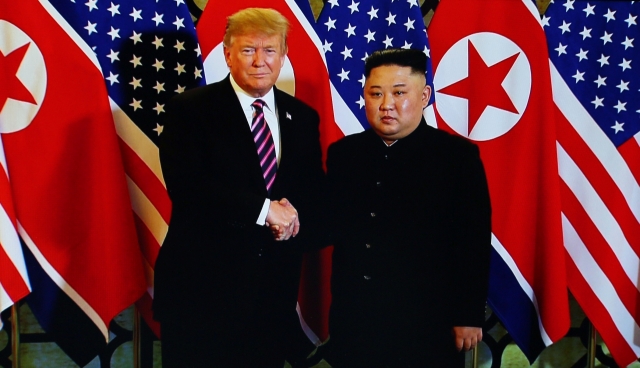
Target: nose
x: 258, y: 58
x: 387, y: 102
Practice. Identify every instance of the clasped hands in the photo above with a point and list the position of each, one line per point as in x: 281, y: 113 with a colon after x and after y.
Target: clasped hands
x: 283, y: 220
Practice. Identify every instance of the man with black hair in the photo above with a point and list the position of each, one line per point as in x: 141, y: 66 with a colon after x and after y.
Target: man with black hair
x: 412, y: 230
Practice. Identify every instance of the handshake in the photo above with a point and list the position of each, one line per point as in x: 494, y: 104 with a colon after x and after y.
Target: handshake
x: 283, y: 220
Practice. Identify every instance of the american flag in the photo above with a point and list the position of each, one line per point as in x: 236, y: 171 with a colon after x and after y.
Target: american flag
x: 148, y: 52
x: 351, y: 31
x: 592, y: 47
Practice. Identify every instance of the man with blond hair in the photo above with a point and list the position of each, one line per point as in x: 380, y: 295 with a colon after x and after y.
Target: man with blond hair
x: 241, y: 160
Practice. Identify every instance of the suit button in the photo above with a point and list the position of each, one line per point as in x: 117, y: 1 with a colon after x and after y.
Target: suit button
x: 367, y: 277
x: 378, y: 184
x: 373, y: 214
x: 368, y: 246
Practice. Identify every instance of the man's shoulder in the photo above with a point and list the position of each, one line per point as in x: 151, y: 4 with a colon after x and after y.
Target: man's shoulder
x: 283, y: 99
x: 447, y: 141
x: 353, y: 141
x: 203, y: 93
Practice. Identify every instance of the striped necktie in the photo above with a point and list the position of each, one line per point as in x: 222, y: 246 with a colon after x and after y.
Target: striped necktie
x: 264, y: 144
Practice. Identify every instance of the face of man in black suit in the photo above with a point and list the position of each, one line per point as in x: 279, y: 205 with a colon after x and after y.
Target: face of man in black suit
x: 394, y: 98
x: 254, y: 61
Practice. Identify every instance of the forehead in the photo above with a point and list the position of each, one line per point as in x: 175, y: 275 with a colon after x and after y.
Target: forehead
x: 390, y: 75
x: 256, y: 39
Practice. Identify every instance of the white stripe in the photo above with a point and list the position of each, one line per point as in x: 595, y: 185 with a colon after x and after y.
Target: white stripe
x: 91, y: 55
x: 531, y: 7
x: 597, y: 141
x: 344, y: 117
x: 307, y: 330
x: 600, y: 285
x: 62, y: 284
x: 147, y: 212
x: 129, y: 132
x: 5, y: 301
x: 10, y: 242
x: 430, y: 116
x: 311, y: 32
x: 522, y: 281
x: 599, y: 214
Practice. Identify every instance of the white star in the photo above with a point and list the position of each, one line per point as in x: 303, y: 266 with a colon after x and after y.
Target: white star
x: 427, y: 51
x: 625, y: 64
x: 92, y: 5
x: 606, y: 37
x: 179, y: 46
x: 327, y: 46
x: 136, y: 83
x: 353, y: 7
x: 331, y: 23
x: 370, y: 36
x: 582, y: 54
x: 180, y: 69
x: 618, y: 127
x: 180, y: 89
x: 346, y: 53
x: 585, y: 33
x: 114, y: 9
x: 603, y: 60
x: 545, y: 21
x: 610, y: 15
x: 91, y: 27
x: 135, y: 14
x: 601, y: 81
x: 113, y: 78
x: 627, y: 42
x: 589, y: 10
x: 412, y: 3
x: 136, y: 104
x: 197, y: 73
x: 178, y: 23
x: 562, y: 49
x: 136, y: 61
x: 373, y: 13
x: 565, y: 27
x: 159, y: 108
x: 158, y: 19
x: 578, y: 76
x: 391, y: 19
x: 351, y: 30
x: 621, y: 106
x: 113, y: 56
x: 568, y: 5
x: 343, y: 75
x: 387, y: 42
x: 178, y: 2
x: 409, y: 24
x: 360, y: 102
x: 406, y: 45
x: 362, y: 80
x: 114, y: 33
x: 333, y: 3
x: 197, y: 50
x: 158, y: 129
x: 623, y: 86
x: 159, y: 87
x: 597, y: 102
x: 157, y: 42
x: 631, y: 20
x: 136, y: 37
x: 366, y: 55
x: 158, y: 65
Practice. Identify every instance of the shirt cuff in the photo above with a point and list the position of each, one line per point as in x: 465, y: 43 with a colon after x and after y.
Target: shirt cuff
x: 264, y: 212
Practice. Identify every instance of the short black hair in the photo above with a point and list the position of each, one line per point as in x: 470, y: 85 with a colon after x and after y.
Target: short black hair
x: 414, y: 59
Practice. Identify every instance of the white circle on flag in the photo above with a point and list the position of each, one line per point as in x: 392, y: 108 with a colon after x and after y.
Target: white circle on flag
x: 32, y: 73
x: 216, y: 69
x: 454, y: 67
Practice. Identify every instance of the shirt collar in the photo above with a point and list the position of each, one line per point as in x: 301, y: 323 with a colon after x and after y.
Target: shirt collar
x: 246, y: 100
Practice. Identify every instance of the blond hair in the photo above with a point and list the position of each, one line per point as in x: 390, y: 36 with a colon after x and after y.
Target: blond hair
x: 264, y: 21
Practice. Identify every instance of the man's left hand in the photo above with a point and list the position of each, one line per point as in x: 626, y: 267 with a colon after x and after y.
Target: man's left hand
x: 467, y: 338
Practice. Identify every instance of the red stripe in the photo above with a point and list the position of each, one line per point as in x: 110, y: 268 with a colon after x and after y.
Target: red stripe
x: 6, y: 197
x: 146, y: 180
x: 601, y: 182
x: 148, y: 244
x: 10, y: 278
x: 600, y: 250
x: 599, y: 316
x: 630, y: 151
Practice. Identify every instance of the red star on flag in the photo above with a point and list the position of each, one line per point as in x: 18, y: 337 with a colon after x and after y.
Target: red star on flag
x: 12, y: 87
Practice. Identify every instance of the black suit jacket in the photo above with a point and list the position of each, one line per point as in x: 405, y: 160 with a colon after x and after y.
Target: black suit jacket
x: 216, y: 266
x: 412, y: 244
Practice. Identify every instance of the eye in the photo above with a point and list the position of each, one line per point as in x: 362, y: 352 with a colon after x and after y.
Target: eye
x: 400, y: 93
x: 248, y: 51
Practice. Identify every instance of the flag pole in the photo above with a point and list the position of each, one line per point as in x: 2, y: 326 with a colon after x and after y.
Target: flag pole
x: 474, y: 355
x: 591, y: 346
x: 15, y: 337
x: 137, y: 341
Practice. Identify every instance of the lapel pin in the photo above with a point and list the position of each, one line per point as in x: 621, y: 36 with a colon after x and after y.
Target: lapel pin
x: 288, y: 116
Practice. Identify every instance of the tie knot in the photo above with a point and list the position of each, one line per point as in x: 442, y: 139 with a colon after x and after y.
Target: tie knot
x: 258, y: 104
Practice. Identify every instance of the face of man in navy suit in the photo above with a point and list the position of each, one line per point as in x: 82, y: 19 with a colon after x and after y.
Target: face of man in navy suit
x: 254, y: 61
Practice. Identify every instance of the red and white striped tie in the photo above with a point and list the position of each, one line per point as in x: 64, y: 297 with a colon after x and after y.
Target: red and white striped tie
x: 264, y: 144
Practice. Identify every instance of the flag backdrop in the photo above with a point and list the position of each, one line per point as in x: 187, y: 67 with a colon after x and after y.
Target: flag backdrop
x: 67, y: 179
x: 148, y: 52
x: 596, y: 89
x: 492, y: 85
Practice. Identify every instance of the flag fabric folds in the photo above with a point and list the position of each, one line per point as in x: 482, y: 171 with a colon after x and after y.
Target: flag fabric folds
x: 65, y: 171
x: 595, y: 88
x: 492, y: 86
x: 148, y: 52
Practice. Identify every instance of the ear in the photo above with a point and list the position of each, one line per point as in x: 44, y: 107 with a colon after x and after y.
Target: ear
x: 426, y: 95
x: 227, y: 55
x: 284, y: 55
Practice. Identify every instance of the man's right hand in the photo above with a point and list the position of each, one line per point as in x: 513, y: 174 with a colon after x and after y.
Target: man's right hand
x: 283, y: 219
